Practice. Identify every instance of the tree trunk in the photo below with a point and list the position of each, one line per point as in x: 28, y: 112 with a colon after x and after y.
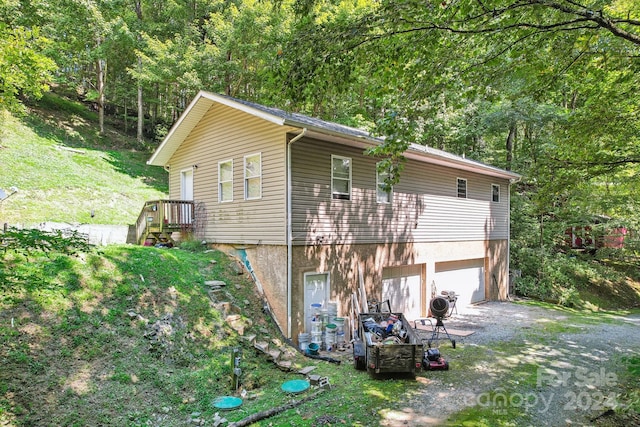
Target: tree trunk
x: 140, y: 109
x: 101, y: 66
x: 513, y: 130
x: 140, y: 137
x: 227, y: 89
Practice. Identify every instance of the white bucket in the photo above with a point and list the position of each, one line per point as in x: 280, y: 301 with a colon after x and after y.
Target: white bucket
x: 303, y: 341
x: 339, y: 322
x: 330, y: 336
x: 314, y: 314
x: 316, y: 326
x: 316, y: 337
x: 332, y: 309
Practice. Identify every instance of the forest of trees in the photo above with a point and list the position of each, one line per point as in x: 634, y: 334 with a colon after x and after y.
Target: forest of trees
x: 547, y: 88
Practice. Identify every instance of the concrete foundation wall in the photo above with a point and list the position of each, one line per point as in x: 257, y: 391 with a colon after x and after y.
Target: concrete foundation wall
x: 269, y: 264
x: 343, y: 262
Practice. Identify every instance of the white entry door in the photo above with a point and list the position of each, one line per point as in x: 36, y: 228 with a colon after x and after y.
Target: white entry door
x: 186, y: 184
x: 316, y: 291
x: 402, y: 286
x: 186, y: 193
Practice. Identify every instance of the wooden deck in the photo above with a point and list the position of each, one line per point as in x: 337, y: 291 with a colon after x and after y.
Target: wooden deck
x: 159, y: 219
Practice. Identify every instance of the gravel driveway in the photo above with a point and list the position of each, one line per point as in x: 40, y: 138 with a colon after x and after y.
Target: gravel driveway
x: 547, y: 367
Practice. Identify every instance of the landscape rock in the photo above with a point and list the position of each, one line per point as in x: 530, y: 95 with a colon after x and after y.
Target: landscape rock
x: 237, y: 268
x: 215, y: 283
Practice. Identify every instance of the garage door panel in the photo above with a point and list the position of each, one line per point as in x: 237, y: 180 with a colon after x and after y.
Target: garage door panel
x: 465, y: 278
x: 402, y: 286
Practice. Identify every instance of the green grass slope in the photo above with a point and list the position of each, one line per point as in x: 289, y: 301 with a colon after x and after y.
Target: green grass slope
x: 127, y: 336
x: 65, y: 170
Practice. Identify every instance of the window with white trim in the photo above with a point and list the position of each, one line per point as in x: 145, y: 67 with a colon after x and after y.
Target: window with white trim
x: 253, y: 176
x: 340, y: 177
x: 495, y: 193
x: 462, y: 188
x: 225, y: 181
x: 384, y: 190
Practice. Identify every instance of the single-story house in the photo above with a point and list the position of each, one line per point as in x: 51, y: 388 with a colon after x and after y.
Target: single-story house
x: 302, y: 203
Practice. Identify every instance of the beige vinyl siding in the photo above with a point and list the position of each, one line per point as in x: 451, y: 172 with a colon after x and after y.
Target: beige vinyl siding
x: 424, y: 208
x: 227, y: 134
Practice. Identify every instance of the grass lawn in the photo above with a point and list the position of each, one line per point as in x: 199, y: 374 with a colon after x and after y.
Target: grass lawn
x: 66, y: 172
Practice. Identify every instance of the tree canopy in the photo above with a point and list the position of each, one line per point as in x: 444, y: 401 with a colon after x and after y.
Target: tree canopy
x: 547, y: 88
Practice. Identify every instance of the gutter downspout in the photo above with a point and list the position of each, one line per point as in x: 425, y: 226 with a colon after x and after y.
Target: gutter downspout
x: 289, y: 231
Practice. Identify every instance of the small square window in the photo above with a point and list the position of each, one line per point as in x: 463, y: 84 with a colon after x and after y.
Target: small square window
x: 462, y: 188
x: 495, y: 193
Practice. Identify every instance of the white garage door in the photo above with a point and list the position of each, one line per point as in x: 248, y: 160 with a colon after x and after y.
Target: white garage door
x: 465, y: 278
x: 402, y: 286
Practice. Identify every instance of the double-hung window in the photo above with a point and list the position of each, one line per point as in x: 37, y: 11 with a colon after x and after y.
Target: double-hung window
x: 462, y: 188
x: 384, y: 190
x: 225, y: 181
x: 340, y: 177
x: 253, y: 176
x: 495, y: 193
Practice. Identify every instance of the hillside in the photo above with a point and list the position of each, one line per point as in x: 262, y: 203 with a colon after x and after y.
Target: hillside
x: 133, y: 336
x: 66, y: 172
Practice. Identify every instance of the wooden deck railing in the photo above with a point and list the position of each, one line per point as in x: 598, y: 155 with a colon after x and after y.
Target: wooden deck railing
x: 164, y: 216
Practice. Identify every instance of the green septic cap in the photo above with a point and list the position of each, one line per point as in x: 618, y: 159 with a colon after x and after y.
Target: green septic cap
x: 227, y: 402
x: 295, y: 386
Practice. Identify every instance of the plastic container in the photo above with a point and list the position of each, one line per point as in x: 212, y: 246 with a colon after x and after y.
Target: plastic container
x: 313, y: 348
x: 340, y: 339
x: 324, y: 316
x: 303, y: 341
x: 330, y: 337
x: 332, y: 310
x: 316, y: 326
x: 314, y: 315
x: 316, y: 338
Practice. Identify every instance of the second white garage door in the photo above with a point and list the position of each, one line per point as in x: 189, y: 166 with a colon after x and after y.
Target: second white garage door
x: 464, y: 277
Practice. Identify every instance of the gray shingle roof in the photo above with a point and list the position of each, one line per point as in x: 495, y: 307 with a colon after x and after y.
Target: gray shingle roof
x: 204, y: 100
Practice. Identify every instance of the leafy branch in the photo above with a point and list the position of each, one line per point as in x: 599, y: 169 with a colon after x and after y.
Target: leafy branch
x: 32, y: 240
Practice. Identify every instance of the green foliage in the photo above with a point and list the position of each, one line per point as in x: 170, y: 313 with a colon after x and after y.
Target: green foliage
x: 35, y: 243
x: 26, y: 241
x: 575, y: 279
x: 24, y: 68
